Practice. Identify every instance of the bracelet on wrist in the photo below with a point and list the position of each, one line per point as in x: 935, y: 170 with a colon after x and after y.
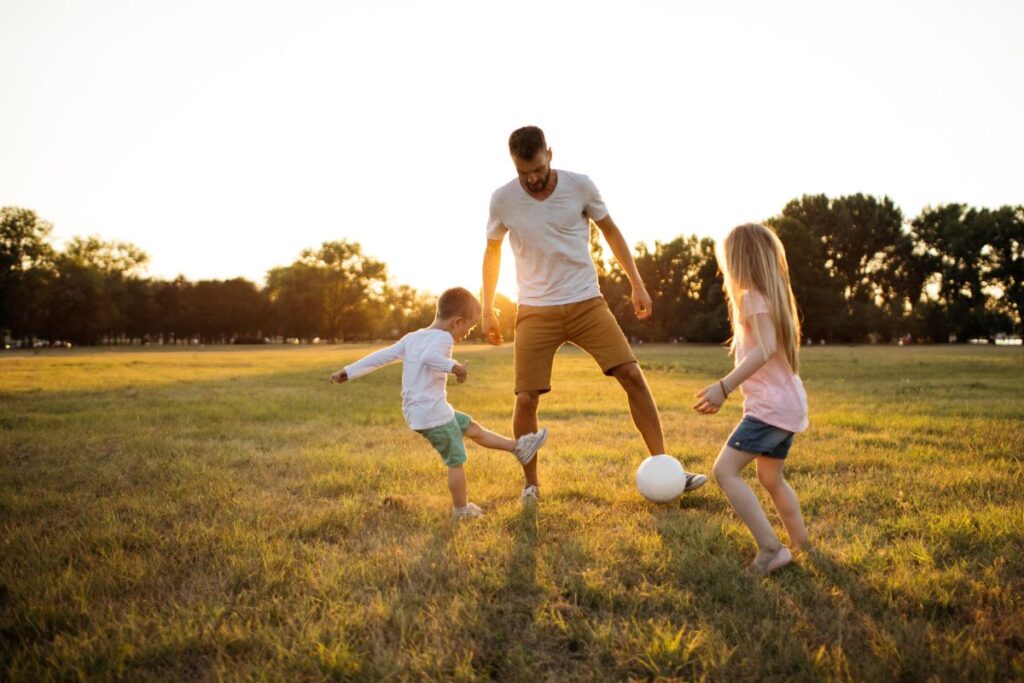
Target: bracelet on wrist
x: 721, y: 384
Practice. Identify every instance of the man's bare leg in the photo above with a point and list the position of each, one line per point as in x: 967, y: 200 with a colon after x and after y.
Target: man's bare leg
x: 641, y: 406
x: 524, y: 421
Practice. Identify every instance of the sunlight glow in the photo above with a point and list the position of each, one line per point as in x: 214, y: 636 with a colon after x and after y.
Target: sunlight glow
x: 223, y: 138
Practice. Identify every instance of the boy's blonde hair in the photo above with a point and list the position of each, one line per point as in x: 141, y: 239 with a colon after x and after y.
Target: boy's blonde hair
x: 752, y: 258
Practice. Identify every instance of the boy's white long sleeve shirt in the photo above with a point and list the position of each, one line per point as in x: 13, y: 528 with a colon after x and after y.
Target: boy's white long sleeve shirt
x: 426, y: 357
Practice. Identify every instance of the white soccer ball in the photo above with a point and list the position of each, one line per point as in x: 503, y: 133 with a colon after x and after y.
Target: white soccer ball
x: 660, y: 478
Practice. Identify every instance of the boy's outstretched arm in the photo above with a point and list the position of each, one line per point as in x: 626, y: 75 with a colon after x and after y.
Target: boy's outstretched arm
x: 374, y: 361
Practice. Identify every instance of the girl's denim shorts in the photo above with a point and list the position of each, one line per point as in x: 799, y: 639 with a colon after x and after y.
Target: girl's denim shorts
x: 754, y: 436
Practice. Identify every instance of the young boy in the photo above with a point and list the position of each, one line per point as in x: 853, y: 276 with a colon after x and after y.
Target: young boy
x: 426, y: 357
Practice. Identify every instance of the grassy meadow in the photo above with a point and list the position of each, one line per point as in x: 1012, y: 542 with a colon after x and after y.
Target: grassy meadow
x: 226, y: 513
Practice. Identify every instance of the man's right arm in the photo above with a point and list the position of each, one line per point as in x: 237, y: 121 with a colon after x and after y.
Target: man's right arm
x: 492, y: 267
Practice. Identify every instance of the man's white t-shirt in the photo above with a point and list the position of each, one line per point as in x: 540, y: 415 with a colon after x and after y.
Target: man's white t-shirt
x: 426, y: 357
x: 550, y: 238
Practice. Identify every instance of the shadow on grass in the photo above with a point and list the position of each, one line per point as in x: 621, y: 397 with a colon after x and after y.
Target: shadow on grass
x: 507, y: 617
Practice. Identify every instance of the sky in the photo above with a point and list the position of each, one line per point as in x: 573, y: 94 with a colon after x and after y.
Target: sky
x: 224, y: 137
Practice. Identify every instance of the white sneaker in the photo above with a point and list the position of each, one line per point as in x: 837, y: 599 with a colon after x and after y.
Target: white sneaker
x: 471, y: 511
x: 528, y: 444
x: 530, y: 496
x: 694, y: 482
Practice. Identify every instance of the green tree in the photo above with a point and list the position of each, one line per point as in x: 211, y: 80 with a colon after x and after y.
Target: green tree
x: 955, y: 241
x: 26, y: 260
x: 335, y: 292
x: 1007, y: 243
x: 819, y: 298
x: 407, y: 310
x: 174, y: 303
x: 868, y: 259
x: 681, y: 277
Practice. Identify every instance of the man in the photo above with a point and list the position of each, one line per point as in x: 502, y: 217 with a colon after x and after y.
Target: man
x: 547, y: 213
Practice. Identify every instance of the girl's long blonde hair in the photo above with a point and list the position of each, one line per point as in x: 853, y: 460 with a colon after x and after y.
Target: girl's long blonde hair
x: 752, y: 258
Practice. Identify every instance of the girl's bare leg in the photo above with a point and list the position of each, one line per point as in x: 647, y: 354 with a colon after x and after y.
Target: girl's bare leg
x: 769, y: 473
x: 727, y: 473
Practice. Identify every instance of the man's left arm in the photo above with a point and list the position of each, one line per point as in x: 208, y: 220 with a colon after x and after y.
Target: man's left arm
x: 642, y: 305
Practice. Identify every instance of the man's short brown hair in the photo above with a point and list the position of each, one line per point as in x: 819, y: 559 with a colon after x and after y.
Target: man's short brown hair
x: 457, y: 301
x: 525, y: 142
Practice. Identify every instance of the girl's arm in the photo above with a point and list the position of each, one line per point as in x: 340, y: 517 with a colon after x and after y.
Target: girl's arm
x: 374, y: 361
x: 711, y: 397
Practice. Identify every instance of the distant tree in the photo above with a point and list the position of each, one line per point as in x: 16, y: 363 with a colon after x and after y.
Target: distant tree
x: 335, y: 292
x: 1007, y: 242
x: 955, y: 240
x: 26, y: 259
x: 867, y: 256
x: 89, y: 280
x: 710, y: 322
x: 681, y: 277
x: 79, y: 305
x: 136, y: 300
x: 175, y: 316
x: 296, y: 301
x: 819, y: 298
x: 407, y: 310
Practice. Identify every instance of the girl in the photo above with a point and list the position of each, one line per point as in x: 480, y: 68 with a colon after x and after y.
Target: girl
x: 765, y: 342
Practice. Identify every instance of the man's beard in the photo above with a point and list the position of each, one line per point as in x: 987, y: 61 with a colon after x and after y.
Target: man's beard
x: 542, y: 184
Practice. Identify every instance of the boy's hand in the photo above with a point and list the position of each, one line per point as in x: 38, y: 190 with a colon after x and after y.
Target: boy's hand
x: 339, y: 377
x: 710, y: 399
x: 461, y: 372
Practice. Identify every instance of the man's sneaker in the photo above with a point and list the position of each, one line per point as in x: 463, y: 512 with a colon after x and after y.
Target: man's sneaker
x: 530, y: 496
x: 528, y: 444
x: 694, y: 482
x: 471, y: 510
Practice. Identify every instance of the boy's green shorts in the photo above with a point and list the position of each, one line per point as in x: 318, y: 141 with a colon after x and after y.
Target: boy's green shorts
x: 447, y: 439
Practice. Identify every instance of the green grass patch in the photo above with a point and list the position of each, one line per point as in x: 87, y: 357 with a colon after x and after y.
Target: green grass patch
x: 227, y: 513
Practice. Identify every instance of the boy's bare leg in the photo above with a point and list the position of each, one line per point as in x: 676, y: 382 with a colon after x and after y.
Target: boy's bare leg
x: 641, y: 406
x: 489, y: 439
x: 457, y: 485
x: 524, y: 421
x: 769, y: 473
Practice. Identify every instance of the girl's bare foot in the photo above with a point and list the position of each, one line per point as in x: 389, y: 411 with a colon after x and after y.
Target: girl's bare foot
x: 767, y: 561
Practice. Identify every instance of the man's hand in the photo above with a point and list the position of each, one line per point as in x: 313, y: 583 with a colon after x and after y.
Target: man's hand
x: 710, y: 399
x: 339, y: 377
x: 461, y: 372
x: 642, y: 304
x: 489, y: 328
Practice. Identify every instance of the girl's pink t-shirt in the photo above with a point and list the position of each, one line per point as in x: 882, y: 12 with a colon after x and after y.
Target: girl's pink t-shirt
x: 774, y: 394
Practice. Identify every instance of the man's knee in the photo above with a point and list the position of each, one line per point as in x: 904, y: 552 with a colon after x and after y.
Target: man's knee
x: 630, y: 376
x: 527, y: 402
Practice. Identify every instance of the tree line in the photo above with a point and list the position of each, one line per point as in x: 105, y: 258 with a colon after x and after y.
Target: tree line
x: 860, y: 272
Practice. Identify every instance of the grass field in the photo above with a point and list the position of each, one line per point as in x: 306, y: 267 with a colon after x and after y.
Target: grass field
x: 226, y: 513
